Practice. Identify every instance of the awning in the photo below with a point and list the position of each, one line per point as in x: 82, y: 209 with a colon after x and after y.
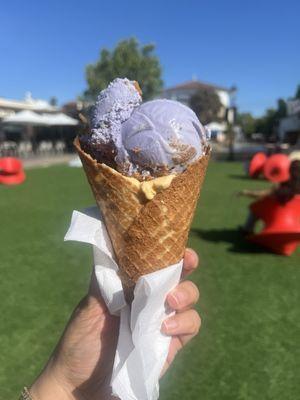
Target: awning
x: 25, y: 117
x: 60, y: 119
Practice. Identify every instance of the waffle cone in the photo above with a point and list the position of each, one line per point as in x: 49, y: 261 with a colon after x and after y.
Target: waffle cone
x: 147, y: 235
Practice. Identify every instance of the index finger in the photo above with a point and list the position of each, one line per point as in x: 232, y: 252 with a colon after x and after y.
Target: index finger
x: 190, y: 262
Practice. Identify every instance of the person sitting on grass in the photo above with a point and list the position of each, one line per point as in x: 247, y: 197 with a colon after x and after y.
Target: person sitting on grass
x: 81, y: 364
x: 283, y: 192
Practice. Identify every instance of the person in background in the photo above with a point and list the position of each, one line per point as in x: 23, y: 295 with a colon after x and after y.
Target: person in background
x: 283, y: 192
x: 81, y: 365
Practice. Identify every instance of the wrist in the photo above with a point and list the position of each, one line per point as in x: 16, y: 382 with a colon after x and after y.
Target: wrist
x: 49, y: 386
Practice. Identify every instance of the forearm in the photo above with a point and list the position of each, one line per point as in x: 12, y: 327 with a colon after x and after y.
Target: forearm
x: 51, y: 385
x: 256, y: 194
x: 48, y: 386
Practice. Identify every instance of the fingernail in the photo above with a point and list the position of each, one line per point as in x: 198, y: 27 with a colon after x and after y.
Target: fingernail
x: 178, y: 298
x: 170, y: 324
x: 173, y: 300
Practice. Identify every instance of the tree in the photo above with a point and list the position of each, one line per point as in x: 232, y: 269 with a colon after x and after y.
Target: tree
x: 266, y: 124
x: 297, y: 94
x: 207, y: 105
x: 129, y: 60
x: 53, y: 101
x: 247, y: 122
x: 281, y: 109
x: 230, y: 133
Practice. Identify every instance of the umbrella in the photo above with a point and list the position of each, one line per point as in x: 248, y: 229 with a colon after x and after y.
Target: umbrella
x: 60, y: 119
x: 25, y: 117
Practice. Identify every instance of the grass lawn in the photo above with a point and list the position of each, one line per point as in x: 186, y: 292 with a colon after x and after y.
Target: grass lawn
x: 248, y: 347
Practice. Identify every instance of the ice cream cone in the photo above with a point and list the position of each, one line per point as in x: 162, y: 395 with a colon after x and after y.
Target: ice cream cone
x: 147, y: 234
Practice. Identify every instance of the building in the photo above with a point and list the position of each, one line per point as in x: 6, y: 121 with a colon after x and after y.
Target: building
x: 33, y: 120
x: 9, y: 106
x: 73, y: 108
x: 289, y: 127
x: 184, y: 91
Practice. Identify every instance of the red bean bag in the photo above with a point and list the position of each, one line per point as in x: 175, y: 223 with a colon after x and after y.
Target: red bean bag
x: 276, y: 168
x: 281, y: 233
x: 11, y: 171
x: 257, y: 164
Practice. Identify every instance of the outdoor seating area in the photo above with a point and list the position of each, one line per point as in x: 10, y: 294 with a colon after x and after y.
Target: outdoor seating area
x: 24, y: 149
x: 27, y: 134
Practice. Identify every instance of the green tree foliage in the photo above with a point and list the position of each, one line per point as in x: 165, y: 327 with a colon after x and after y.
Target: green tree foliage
x: 247, y: 122
x: 53, y: 101
x: 266, y: 124
x: 297, y: 94
x: 129, y: 60
x: 207, y: 105
x: 281, y: 109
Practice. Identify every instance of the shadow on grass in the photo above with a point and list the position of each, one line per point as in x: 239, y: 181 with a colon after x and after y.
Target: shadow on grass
x: 232, y: 236
x: 240, y: 176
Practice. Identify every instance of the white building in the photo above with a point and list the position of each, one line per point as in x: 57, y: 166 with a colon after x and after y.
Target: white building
x: 184, y: 91
x: 289, y: 127
x: 10, y: 106
x: 33, y: 121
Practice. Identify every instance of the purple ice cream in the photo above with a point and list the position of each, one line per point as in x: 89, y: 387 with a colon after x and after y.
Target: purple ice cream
x: 161, y: 136
x: 155, y: 138
x: 114, y: 106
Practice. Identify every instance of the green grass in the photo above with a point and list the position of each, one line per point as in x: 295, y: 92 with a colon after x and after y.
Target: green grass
x: 248, y: 347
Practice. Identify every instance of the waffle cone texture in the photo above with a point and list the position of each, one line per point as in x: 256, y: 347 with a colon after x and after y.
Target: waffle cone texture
x: 147, y: 235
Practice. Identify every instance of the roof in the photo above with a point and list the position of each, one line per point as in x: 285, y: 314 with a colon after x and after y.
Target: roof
x: 194, y: 85
x: 60, y: 119
x: 27, y: 104
x: 27, y: 117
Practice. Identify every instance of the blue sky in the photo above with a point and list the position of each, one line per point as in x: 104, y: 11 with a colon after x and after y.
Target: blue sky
x: 45, y: 46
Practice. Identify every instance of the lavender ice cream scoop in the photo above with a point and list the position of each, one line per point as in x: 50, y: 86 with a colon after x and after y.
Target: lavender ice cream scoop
x: 155, y: 138
x: 161, y: 136
x: 114, y: 106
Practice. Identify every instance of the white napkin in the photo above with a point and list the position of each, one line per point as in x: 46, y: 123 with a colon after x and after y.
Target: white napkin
x: 142, y: 349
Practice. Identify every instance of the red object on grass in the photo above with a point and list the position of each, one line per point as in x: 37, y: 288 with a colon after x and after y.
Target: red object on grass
x: 257, y: 164
x: 11, y: 171
x: 281, y: 233
x: 276, y: 168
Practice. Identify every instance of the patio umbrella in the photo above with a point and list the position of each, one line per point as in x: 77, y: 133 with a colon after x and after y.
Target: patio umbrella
x: 60, y: 119
x: 26, y: 117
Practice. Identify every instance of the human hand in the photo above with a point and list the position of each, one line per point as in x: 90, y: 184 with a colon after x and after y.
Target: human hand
x: 81, y: 365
